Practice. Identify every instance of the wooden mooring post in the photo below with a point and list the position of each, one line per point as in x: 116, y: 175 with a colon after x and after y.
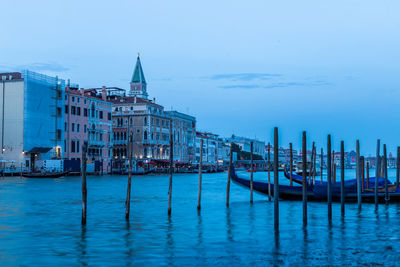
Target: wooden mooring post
x: 333, y: 166
x: 228, y: 184
x: 304, y: 174
x: 397, y: 167
x: 358, y: 176
x: 276, y: 181
x: 322, y: 164
x: 200, y: 175
x: 378, y: 145
x: 269, y: 171
x: 128, y: 193
x: 342, y: 200
x: 367, y: 171
x: 171, y: 167
x: 329, y: 180
x: 291, y: 164
x: 362, y: 169
x: 315, y: 164
x: 311, y: 165
x: 84, y: 189
x: 385, y: 174
x: 251, y: 171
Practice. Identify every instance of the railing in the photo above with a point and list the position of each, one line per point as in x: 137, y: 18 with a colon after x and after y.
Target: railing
x: 120, y: 142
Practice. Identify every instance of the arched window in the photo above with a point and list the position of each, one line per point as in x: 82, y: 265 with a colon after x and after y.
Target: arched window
x: 145, y: 121
x: 124, y: 135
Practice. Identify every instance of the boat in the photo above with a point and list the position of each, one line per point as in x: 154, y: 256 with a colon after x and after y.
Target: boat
x: 44, y: 174
x: 298, y: 179
x: 318, y: 192
x: 138, y: 172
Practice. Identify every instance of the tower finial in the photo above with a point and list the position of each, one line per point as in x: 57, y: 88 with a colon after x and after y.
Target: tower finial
x: 138, y: 54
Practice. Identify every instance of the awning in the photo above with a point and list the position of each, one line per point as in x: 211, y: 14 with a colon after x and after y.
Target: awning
x: 39, y: 150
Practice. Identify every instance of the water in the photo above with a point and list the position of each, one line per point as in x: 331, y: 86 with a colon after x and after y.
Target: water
x: 40, y: 225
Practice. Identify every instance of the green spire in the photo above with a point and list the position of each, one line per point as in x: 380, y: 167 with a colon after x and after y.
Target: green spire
x: 138, y: 76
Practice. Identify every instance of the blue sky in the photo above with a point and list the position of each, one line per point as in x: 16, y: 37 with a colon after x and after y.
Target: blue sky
x: 240, y: 67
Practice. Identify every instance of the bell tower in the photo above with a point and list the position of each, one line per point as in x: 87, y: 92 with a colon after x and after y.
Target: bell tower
x: 138, y: 82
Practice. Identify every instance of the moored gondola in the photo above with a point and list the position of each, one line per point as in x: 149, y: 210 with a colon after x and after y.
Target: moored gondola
x: 44, y: 174
x: 318, y: 192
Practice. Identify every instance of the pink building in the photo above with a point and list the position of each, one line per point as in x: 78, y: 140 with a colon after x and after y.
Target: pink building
x: 88, y: 118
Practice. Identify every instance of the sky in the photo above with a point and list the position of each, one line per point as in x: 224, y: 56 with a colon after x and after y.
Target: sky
x: 240, y: 67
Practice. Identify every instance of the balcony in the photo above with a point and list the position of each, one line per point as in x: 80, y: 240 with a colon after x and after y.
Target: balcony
x: 120, y: 142
x: 96, y: 143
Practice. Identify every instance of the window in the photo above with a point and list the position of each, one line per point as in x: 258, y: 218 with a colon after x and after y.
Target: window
x: 84, y: 101
x: 145, y: 121
x: 85, y: 112
x: 78, y: 126
x: 84, y: 128
x: 101, y: 114
x: 101, y: 137
x: 73, y: 109
x: 79, y: 100
x: 78, y: 110
x: 109, y: 116
x: 72, y: 146
x: 58, y: 112
x: 72, y: 127
x: 66, y: 109
x: 58, y: 134
x: 131, y: 108
x: 73, y: 99
x: 77, y: 145
x: 145, y: 135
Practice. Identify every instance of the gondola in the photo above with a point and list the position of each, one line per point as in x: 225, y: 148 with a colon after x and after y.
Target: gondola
x: 44, y: 174
x: 141, y: 172
x: 318, y: 192
x: 298, y: 179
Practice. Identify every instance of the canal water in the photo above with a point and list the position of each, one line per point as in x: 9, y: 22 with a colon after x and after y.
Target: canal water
x: 40, y: 225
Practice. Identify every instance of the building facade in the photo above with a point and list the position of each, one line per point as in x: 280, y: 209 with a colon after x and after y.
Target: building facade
x: 32, y: 118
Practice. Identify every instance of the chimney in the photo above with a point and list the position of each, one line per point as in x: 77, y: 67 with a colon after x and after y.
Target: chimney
x: 82, y: 91
x: 103, y: 93
x: 154, y: 100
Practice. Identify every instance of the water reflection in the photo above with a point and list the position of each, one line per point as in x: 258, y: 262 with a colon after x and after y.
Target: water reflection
x: 170, y: 246
x: 82, y: 247
x: 128, y: 243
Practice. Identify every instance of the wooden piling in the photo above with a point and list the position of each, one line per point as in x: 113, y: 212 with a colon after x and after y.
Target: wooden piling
x: 128, y: 193
x: 378, y: 145
x: 322, y: 164
x: 200, y: 174
x: 358, y: 176
x: 291, y: 164
x: 269, y: 171
x: 385, y: 174
x: 311, y: 164
x: 362, y: 163
x: 171, y: 167
x: 84, y: 189
x: 251, y: 171
x: 304, y: 159
x: 367, y: 170
x: 342, y: 200
x: 329, y: 180
x: 334, y: 173
x: 398, y: 167
x: 333, y: 163
x: 228, y: 184
x: 276, y: 180
x: 315, y: 164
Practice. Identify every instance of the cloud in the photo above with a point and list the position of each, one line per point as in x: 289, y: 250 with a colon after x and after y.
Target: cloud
x: 37, y: 66
x: 277, y: 85
x: 44, y: 66
x: 240, y: 86
x: 244, y: 76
